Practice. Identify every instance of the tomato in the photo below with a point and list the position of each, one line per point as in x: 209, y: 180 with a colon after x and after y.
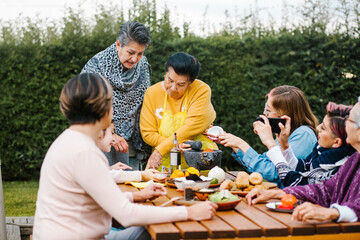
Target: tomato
x: 288, y: 200
x: 280, y: 206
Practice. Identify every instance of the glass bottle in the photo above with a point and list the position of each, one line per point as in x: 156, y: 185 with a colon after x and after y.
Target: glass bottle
x: 175, y: 156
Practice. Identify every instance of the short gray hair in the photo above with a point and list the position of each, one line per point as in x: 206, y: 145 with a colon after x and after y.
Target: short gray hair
x: 133, y: 31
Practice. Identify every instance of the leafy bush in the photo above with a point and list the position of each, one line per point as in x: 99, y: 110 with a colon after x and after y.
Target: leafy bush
x: 241, y: 70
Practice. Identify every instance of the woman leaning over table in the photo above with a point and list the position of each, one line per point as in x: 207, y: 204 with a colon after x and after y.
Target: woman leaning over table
x: 128, y: 71
x: 182, y: 104
x: 282, y: 100
x: 335, y: 199
x: 77, y: 196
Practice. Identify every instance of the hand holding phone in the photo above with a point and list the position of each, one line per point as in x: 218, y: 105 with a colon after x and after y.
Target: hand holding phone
x: 274, y: 123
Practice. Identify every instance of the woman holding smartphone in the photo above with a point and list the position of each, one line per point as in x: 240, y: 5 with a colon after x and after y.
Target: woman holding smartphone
x: 282, y: 100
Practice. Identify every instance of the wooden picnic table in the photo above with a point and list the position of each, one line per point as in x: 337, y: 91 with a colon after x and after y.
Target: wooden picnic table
x: 246, y: 222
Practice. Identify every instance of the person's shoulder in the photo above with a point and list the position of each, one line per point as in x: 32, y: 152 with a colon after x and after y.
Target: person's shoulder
x: 156, y: 88
x: 304, y: 129
x: 199, y: 85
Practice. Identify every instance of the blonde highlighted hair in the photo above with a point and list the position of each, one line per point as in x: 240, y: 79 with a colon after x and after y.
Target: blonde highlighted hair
x: 291, y: 101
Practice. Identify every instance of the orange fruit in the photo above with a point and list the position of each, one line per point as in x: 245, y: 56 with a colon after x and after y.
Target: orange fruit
x: 208, y: 150
x: 288, y: 200
x: 177, y: 173
x: 192, y: 170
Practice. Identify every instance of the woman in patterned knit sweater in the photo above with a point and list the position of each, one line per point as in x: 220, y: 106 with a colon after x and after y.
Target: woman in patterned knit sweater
x: 128, y: 72
x: 335, y: 199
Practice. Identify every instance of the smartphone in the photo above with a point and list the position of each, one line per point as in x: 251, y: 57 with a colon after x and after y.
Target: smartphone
x: 274, y: 123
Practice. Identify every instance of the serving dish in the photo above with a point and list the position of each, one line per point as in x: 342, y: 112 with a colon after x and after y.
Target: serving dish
x: 273, y: 206
x: 240, y: 193
x: 205, y: 183
x: 227, y: 205
x: 203, y: 194
x: 171, y: 183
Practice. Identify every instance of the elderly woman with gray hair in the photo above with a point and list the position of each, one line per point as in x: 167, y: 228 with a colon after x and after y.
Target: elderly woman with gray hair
x: 335, y: 199
x: 128, y: 72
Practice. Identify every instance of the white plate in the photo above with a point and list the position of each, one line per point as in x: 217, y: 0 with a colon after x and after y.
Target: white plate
x: 272, y: 206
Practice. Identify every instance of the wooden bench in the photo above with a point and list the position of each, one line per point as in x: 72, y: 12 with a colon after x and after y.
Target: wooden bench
x: 19, y: 228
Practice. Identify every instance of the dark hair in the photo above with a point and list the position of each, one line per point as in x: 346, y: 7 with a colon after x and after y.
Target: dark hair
x: 291, y: 101
x: 337, y: 114
x: 133, y: 31
x: 184, y: 64
x: 86, y: 98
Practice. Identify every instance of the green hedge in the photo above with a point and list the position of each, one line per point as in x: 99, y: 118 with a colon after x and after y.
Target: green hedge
x: 240, y: 71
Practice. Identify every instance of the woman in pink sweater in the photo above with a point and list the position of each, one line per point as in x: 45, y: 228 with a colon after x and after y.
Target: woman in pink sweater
x: 77, y: 196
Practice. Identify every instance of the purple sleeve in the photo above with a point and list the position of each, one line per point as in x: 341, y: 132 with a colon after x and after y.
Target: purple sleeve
x: 316, y: 193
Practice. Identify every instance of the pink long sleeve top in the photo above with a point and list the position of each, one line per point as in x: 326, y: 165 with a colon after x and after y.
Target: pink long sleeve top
x: 77, y: 195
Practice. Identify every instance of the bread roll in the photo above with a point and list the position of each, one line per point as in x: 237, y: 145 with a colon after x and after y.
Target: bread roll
x: 255, y: 178
x: 260, y: 186
x: 242, y: 180
x: 227, y: 184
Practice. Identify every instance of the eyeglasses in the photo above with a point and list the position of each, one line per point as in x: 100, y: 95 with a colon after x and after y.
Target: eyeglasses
x: 266, y: 111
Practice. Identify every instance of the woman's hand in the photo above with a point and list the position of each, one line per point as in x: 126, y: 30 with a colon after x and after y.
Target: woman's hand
x: 283, y: 137
x: 259, y: 195
x: 236, y: 143
x: 184, y: 147
x: 309, y: 211
x: 202, y: 211
x: 120, y: 144
x: 154, y: 160
x: 150, y: 192
x: 120, y: 166
x: 263, y: 130
x: 149, y: 174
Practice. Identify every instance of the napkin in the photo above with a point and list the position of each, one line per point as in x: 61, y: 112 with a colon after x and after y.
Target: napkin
x: 141, y: 185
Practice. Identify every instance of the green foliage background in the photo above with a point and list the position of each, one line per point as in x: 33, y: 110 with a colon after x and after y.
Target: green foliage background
x: 240, y: 64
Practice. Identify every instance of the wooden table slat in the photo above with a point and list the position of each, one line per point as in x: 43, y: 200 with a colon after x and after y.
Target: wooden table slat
x: 295, y: 227
x: 164, y: 231
x: 243, y: 227
x: 269, y: 225
x: 192, y: 230
x: 218, y: 228
x: 350, y: 227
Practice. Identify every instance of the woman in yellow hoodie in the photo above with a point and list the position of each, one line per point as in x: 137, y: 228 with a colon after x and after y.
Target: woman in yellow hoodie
x: 182, y: 104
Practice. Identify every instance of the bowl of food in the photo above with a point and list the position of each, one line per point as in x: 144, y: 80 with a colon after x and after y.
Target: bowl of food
x: 204, y: 182
x: 225, y: 199
x: 203, y: 193
x: 161, y: 175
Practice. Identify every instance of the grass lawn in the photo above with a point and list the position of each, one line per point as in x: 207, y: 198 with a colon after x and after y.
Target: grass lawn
x: 20, y: 198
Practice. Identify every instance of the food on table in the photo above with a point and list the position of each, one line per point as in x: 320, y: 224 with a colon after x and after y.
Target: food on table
x: 287, y: 201
x: 223, y: 196
x: 203, y: 194
x: 248, y: 189
x: 242, y: 180
x: 255, y: 178
x: 214, y: 181
x: 245, y: 182
x: 218, y: 173
x: 177, y: 173
x: 227, y: 184
x: 192, y: 170
x: 260, y: 186
x: 208, y: 150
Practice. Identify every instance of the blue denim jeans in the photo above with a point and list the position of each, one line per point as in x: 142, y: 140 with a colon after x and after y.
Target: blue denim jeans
x: 133, y: 161
x: 130, y: 233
